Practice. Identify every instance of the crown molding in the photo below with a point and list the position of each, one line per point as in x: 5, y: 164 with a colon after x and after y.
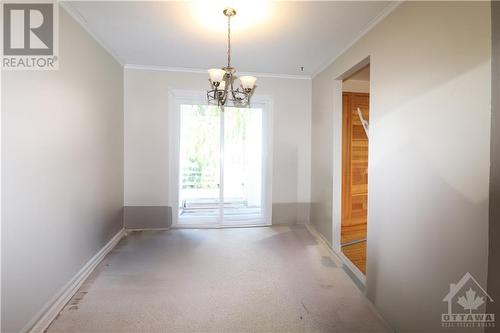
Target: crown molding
x: 204, y: 71
x: 376, y: 20
x: 78, y: 17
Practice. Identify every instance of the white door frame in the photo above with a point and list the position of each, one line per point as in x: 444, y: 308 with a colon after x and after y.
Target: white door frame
x: 337, y: 167
x: 337, y: 182
x: 178, y: 97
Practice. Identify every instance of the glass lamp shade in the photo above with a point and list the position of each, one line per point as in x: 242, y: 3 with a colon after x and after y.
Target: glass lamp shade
x: 216, y: 74
x: 222, y: 85
x: 248, y: 82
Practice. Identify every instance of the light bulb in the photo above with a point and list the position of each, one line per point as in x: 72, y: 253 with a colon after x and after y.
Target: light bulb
x: 216, y: 74
x: 248, y: 82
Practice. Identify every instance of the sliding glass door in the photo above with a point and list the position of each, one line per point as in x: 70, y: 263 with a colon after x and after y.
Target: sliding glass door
x: 242, y: 166
x: 220, y: 166
x: 199, y: 167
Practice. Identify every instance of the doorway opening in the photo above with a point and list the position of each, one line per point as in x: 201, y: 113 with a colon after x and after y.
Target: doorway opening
x: 221, y: 164
x: 355, y: 136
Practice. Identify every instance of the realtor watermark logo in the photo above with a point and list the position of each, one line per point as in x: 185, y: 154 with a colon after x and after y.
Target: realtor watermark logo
x: 467, y: 305
x: 29, y: 37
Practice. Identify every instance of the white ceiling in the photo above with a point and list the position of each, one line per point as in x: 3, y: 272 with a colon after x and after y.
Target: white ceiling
x: 278, y: 39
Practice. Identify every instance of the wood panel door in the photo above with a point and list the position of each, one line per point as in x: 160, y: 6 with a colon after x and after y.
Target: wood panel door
x: 354, y: 167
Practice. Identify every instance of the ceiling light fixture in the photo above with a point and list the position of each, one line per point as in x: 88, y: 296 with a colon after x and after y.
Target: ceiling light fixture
x: 222, y: 80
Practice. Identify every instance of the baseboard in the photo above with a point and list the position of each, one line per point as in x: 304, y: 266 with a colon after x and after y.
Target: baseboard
x: 354, y: 270
x: 347, y: 263
x: 49, y: 312
x: 312, y: 229
x: 201, y: 226
x: 147, y: 229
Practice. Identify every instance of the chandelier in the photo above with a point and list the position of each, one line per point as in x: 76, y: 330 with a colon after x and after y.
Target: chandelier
x: 222, y: 80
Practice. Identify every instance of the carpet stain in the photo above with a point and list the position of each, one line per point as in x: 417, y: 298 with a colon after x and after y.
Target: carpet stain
x: 76, y: 300
x: 328, y: 262
x: 305, y: 307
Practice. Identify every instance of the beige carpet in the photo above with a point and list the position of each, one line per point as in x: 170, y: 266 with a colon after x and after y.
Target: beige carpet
x: 271, y: 279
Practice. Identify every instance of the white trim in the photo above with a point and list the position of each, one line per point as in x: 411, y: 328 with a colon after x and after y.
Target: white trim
x: 337, y: 166
x: 354, y: 270
x: 178, y: 97
x: 51, y: 309
x: 1, y: 220
x: 345, y: 261
x: 146, y: 229
x: 268, y: 155
x: 312, y: 229
x: 337, y: 129
x: 80, y: 19
x: 204, y: 71
x: 376, y: 20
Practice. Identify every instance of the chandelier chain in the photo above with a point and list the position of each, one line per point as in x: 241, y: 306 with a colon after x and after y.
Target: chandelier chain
x: 229, y: 41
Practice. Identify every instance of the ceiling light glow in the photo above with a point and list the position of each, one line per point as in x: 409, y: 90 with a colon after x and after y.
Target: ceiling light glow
x: 249, y: 13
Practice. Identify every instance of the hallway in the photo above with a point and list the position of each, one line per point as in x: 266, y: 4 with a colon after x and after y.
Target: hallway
x: 269, y: 279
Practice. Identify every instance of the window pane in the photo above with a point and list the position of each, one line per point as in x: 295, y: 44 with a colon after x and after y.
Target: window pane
x: 199, y: 164
x: 242, y: 165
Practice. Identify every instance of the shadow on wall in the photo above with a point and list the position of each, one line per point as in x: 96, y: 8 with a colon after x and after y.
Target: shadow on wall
x: 427, y: 123
x: 422, y: 239
x: 494, y: 230
x: 429, y: 198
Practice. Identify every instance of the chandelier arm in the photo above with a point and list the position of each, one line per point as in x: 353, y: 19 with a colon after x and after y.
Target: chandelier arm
x: 226, y: 88
x: 241, y: 101
x: 232, y: 91
x: 224, y: 98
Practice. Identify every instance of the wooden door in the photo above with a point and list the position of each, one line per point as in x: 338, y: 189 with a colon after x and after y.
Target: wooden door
x: 354, y: 167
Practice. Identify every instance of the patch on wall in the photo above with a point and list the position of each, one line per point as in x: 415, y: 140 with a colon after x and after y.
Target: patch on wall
x: 291, y: 213
x: 147, y: 217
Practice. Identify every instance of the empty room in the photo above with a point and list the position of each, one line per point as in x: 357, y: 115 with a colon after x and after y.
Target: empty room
x: 250, y: 166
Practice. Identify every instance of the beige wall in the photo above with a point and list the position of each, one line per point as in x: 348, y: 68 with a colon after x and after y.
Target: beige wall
x: 62, y: 171
x: 429, y: 155
x: 146, y: 137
